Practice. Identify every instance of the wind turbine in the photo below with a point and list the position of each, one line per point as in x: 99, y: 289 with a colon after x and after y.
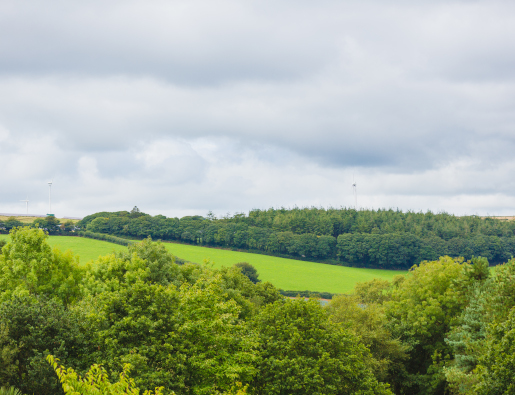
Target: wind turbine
x: 355, y: 189
x: 27, y: 202
x: 50, y: 197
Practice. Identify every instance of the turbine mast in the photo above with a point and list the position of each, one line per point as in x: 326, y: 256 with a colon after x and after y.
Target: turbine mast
x: 27, y: 203
x: 355, y: 190
x: 50, y: 197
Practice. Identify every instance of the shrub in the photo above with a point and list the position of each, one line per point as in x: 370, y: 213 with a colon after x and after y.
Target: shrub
x: 105, y: 237
x: 248, y: 270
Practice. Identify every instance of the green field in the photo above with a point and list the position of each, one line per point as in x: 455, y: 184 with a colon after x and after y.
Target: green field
x: 288, y: 274
x: 86, y: 249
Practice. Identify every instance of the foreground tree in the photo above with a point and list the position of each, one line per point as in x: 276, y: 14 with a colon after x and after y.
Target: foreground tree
x: 497, y: 366
x: 483, y: 340
x: 188, y: 340
x: 422, y: 311
x: 28, y: 265
x: 30, y: 327
x: 303, y: 352
x: 368, y: 323
x: 96, y: 381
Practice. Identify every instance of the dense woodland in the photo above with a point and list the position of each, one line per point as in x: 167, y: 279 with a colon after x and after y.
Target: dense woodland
x: 367, y: 238
x: 446, y: 328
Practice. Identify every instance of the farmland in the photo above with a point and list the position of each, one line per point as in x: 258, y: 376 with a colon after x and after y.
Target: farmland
x: 86, y: 249
x: 285, y: 273
x: 288, y: 274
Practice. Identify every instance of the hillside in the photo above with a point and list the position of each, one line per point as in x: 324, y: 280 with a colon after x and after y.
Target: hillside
x: 288, y: 274
x: 386, y: 239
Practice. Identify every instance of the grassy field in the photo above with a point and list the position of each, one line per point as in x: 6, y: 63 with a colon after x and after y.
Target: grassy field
x: 288, y: 274
x: 86, y: 249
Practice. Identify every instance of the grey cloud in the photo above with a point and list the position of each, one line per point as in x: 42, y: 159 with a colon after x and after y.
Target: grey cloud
x: 185, y: 42
x: 189, y: 106
x: 390, y: 125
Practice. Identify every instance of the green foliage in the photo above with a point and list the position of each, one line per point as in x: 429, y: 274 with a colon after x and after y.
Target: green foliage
x: 96, y: 381
x: 32, y: 327
x: 160, y: 262
x: 478, y: 270
x: 420, y: 314
x: 9, y: 391
x: 11, y: 223
x: 67, y: 226
x: 105, y: 237
x: 376, y: 291
x: 49, y: 224
x: 248, y: 270
x: 478, y: 338
x: 188, y: 339
x: 497, y: 366
x: 468, y: 342
x: 303, y: 352
x: 145, y: 260
x: 8, y: 352
x: 447, y: 327
x: 307, y: 294
x: 29, y: 265
x: 368, y: 323
x: 2, y: 244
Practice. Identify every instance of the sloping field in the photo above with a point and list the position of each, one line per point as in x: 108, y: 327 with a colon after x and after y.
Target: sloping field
x: 288, y: 274
x: 86, y: 249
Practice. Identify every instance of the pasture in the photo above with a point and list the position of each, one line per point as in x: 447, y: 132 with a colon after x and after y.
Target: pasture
x: 288, y: 274
x: 87, y: 249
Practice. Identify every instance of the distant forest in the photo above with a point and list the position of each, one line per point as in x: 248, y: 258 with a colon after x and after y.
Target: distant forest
x: 389, y: 239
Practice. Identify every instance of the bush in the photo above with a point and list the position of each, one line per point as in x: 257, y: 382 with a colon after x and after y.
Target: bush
x: 248, y: 270
x: 307, y: 294
x: 106, y: 237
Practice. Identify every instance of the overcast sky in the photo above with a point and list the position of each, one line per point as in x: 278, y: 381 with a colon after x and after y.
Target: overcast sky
x: 181, y: 107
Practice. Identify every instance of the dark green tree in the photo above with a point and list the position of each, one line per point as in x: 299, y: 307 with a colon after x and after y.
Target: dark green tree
x: 248, y: 270
x: 30, y: 328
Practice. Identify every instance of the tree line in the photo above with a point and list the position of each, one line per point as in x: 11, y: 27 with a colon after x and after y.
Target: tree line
x: 50, y: 224
x: 367, y: 238
x: 136, y: 321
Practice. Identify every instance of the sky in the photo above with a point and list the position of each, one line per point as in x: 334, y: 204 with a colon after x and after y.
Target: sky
x: 184, y: 107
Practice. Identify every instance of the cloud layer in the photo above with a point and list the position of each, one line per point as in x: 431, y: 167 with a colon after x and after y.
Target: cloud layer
x: 189, y: 106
